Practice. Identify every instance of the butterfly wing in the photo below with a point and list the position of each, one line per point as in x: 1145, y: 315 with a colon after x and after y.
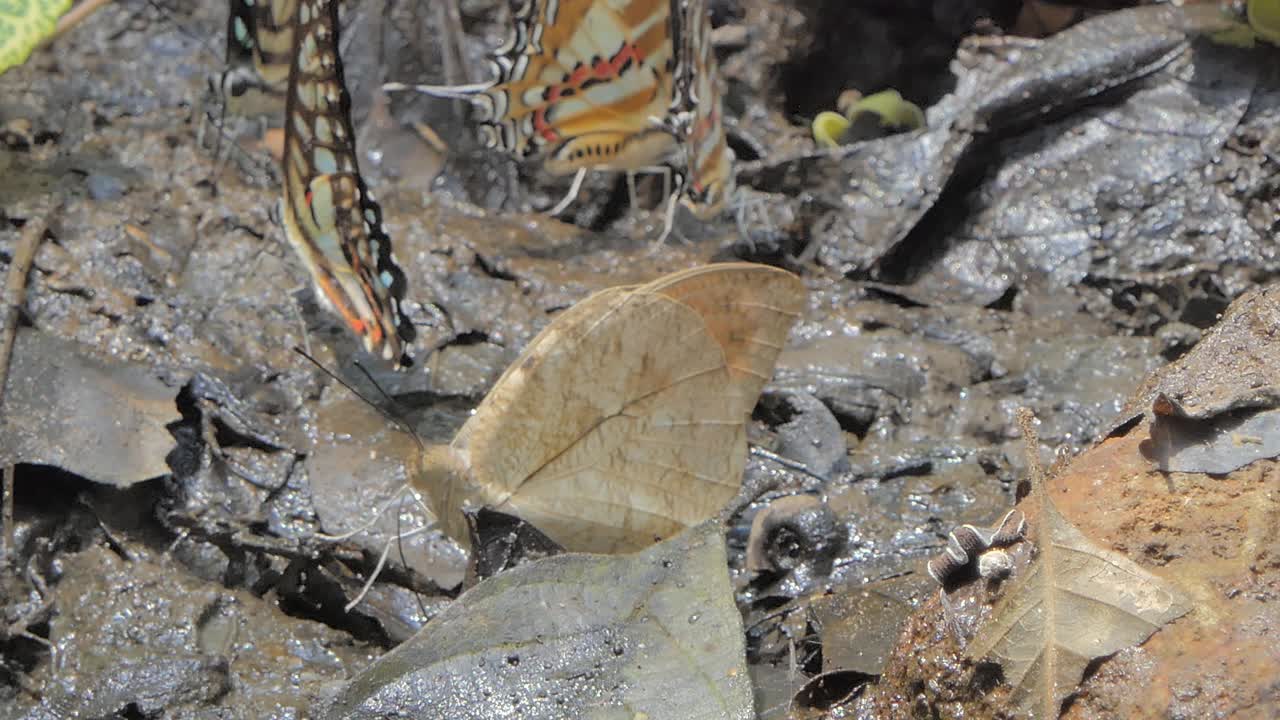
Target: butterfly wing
x: 582, y: 82
x: 750, y: 324
x: 330, y: 218
x: 259, y: 53
x: 625, y: 420
x: 708, y: 157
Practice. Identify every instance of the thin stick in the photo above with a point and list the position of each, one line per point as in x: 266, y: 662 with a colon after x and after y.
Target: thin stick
x: 15, y: 294
x: 75, y: 16
x: 1031, y: 446
x: 6, y: 515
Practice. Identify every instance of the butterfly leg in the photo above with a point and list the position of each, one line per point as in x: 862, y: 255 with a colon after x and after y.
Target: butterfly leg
x: 669, y: 215
x: 382, y: 562
x: 633, y: 199
x: 396, y: 498
x: 749, y: 212
x: 572, y: 195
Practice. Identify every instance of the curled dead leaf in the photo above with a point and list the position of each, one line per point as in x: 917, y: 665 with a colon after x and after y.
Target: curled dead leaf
x: 624, y: 420
x: 1076, y: 602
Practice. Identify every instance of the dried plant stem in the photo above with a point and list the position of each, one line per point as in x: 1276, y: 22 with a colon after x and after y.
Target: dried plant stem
x: 75, y: 16
x: 6, y: 514
x: 15, y: 293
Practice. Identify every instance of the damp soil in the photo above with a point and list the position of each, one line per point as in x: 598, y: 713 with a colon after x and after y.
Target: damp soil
x: 955, y: 275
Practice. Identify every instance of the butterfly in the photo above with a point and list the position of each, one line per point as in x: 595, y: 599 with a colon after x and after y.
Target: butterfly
x: 259, y: 55
x: 622, y: 85
x: 330, y: 217
x: 708, y: 157
x: 625, y: 419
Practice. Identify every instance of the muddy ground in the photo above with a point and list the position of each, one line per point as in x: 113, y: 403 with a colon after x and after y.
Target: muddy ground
x: 1075, y: 216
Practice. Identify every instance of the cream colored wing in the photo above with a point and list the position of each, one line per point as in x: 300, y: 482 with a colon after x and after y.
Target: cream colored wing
x: 624, y: 420
x: 748, y: 308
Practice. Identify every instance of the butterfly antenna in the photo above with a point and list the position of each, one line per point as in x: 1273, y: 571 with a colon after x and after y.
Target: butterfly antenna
x: 391, y: 402
x: 452, y: 92
x: 168, y: 14
x: 404, y: 561
x: 400, y: 532
x: 395, y: 420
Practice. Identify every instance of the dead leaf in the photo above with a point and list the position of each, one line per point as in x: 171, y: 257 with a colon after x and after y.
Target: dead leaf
x: 859, y: 627
x: 828, y: 691
x: 1217, y: 445
x: 651, y: 635
x: 624, y: 420
x: 500, y: 542
x: 1074, y: 603
x: 102, y: 421
x: 1232, y: 368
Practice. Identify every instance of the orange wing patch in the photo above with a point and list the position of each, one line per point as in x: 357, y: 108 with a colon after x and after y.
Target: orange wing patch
x: 330, y: 217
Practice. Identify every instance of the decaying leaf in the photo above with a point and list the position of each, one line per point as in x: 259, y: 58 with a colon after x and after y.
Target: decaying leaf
x: 1074, y: 603
x: 102, y: 421
x: 500, y: 542
x: 624, y: 421
x: 860, y: 626
x: 1217, y: 445
x: 650, y: 635
x: 1232, y: 368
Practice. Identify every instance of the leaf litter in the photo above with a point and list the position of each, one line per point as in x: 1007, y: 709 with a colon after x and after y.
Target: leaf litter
x: 1075, y: 603
x: 528, y: 287
x: 653, y: 634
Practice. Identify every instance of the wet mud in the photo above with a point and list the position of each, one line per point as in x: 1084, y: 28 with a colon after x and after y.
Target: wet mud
x: 1049, y: 257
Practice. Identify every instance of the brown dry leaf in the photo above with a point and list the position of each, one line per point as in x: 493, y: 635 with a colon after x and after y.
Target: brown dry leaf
x: 624, y: 421
x: 1075, y: 603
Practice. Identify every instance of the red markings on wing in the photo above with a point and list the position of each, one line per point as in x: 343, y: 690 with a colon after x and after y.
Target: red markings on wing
x: 582, y: 76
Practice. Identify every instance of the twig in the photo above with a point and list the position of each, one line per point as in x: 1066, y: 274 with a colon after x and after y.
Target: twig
x: 6, y: 514
x: 1031, y: 445
x: 15, y: 294
x: 75, y: 16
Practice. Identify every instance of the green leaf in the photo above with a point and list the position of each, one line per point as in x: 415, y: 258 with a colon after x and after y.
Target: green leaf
x: 24, y: 24
x: 828, y: 127
x: 894, y: 112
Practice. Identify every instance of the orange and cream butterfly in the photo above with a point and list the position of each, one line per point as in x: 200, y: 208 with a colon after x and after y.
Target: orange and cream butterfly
x: 622, y: 85
x: 330, y: 217
x: 708, y: 158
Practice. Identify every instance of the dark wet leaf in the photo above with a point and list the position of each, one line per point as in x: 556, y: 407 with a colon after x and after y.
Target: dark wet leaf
x: 99, y: 420
x: 1122, y: 162
x: 1233, y: 368
x: 357, y: 464
x: 859, y: 627
x: 831, y: 689
x: 1218, y: 445
x: 877, y: 192
x: 1076, y: 602
x: 655, y: 634
x: 500, y: 542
